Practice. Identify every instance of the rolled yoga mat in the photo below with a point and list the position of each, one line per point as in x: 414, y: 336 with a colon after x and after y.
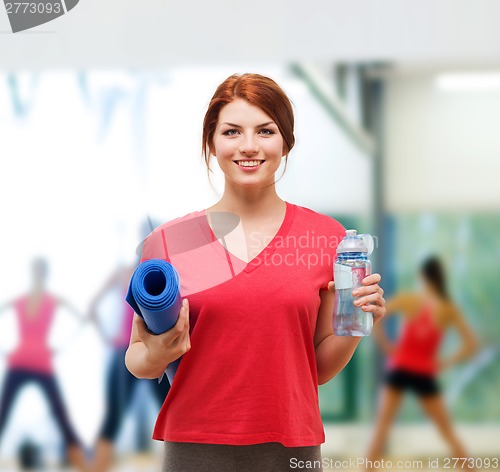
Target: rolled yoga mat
x: 154, y: 294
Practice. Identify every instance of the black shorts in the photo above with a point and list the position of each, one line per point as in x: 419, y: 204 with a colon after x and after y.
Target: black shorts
x: 420, y: 384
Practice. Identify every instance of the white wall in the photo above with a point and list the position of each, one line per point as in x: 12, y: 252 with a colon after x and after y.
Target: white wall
x: 442, y: 147
x: 326, y: 171
x: 122, y: 33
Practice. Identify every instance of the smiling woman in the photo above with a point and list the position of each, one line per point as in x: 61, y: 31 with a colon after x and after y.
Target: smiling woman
x: 255, y: 330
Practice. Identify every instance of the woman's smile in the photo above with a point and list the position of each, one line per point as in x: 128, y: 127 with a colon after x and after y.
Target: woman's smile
x: 248, y: 165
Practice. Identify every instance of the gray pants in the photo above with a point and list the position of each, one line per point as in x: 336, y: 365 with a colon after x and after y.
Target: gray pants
x: 266, y: 457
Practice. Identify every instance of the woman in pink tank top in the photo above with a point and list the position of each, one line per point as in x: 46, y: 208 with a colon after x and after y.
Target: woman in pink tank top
x: 413, y: 359
x: 31, y: 361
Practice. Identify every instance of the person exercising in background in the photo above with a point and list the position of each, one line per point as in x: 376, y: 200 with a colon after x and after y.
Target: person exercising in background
x: 31, y: 361
x: 413, y: 362
x: 121, y: 384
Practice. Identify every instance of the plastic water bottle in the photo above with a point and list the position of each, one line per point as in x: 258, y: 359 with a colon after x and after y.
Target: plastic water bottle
x: 351, y: 267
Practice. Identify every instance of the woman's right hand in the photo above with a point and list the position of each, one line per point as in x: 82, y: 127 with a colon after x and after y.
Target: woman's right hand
x: 162, y: 349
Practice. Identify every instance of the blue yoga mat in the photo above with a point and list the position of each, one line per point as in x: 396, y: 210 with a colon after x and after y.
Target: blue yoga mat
x: 154, y: 294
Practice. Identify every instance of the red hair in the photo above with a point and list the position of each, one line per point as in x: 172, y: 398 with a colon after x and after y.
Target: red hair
x: 257, y: 90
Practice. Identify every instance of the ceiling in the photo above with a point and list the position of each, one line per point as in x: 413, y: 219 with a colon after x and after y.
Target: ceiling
x: 156, y: 33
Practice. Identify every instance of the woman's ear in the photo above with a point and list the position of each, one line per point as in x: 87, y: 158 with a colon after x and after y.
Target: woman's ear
x: 211, y: 148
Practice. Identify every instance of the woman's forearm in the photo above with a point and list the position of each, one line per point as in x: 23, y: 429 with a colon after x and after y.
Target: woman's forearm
x: 333, y: 354
x: 140, y: 365
x: 460, y: 356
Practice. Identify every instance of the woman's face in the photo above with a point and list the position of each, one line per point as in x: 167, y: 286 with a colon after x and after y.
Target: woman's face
x: 39, y: 270
x: 247, y: 144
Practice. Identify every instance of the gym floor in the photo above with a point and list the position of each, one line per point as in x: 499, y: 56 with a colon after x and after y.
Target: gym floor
x: 345, y: 445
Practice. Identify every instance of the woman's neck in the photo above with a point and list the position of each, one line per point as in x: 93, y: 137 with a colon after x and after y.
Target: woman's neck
x: 433, y: 296
x: 248, y: 202
x: 37, y: 289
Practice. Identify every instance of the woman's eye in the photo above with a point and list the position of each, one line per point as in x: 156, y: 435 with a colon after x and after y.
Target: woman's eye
x: 230, y: 132
x: 267, y: 132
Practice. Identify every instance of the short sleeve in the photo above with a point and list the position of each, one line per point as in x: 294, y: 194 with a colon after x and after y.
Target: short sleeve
x: 155, y: 246
x: 334, y: 232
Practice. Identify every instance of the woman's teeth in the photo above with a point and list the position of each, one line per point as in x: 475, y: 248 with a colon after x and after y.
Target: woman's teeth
x: 249, y: 163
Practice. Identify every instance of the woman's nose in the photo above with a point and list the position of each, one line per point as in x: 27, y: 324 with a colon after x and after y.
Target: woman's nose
x: 249, y: 146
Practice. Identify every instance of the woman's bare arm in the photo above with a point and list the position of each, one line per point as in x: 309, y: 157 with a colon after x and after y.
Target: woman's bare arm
x: 469, y: 341
x: 66, y: 304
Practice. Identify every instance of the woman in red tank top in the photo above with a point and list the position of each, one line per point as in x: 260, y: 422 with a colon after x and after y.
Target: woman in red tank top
x: 413, y: 360
x: 31, y: 361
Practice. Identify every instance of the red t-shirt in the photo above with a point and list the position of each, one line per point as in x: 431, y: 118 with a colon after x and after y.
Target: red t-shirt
x: 250, y: 376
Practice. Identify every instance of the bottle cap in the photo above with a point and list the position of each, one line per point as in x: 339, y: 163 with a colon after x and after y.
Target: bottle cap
x: 353, y: 242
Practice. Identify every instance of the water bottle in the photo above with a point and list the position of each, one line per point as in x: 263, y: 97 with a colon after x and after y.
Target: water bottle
x: 351, y: 267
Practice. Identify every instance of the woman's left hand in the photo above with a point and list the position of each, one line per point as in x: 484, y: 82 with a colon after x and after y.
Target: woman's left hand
x: 369, y: 297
